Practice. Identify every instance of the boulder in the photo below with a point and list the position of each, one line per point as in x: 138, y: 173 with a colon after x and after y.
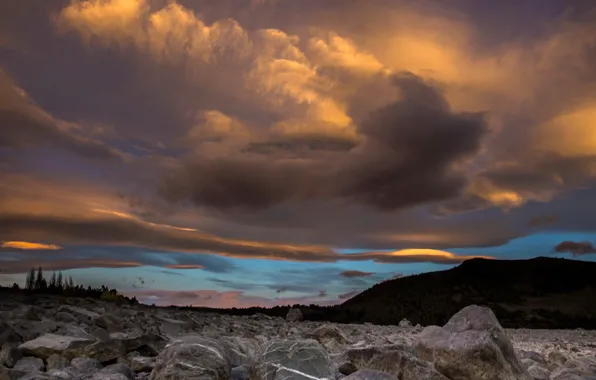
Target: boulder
x: 286, y: 358
x: 30, y: 364
x: 50, y: 344
x: 192, y: 357
x: 472, y: 346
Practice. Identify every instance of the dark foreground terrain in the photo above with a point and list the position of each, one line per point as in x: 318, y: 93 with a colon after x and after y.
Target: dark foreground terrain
x: 53, y: 337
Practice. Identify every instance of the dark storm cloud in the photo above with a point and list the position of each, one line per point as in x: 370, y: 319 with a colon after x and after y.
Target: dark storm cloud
x: 576, y: 248
x: 355, y: 273
x: 407, y: 156
x: 22, y: 124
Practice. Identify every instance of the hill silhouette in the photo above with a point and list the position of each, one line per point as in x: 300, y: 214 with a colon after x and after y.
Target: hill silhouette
x: 536, y: 293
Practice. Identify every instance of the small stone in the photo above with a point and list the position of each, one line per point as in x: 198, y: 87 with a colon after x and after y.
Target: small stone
x: 30, y: 364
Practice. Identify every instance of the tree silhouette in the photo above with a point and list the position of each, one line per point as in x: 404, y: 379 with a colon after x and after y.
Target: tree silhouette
x: 30, y: 281
x: 59, y: 281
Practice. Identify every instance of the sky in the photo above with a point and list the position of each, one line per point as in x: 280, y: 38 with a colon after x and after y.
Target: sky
x: 236, y: 153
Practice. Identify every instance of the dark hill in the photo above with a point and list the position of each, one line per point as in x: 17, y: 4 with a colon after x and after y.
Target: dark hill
x: 536, y: 293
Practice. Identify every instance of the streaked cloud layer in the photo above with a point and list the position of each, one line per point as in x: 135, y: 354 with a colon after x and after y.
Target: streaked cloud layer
x: 175, y: 140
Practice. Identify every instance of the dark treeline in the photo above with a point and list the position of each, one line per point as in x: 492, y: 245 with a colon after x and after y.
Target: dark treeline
x: 536, y: 293
x: 57, y: 284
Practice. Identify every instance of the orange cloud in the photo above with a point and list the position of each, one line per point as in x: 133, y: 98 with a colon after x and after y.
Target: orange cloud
x: 27, y: 245
x: 415, y: 255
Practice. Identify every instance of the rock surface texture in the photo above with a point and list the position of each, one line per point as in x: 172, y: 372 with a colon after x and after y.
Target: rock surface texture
x: 84, y: 339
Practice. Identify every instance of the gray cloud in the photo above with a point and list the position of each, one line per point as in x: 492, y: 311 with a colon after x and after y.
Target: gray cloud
x: 355, y: 273
x: 576, y: 248
x: 17, y: 261
x: 23, y: 123
x: 406, y: 158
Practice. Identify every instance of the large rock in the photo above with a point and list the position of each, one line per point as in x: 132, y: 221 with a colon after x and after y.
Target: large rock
x: 51, y: 344
x: 192, y: 358
x: 281, y: 359
x: 471, y: 346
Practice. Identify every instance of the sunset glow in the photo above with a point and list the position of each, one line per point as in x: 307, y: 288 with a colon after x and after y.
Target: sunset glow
x: 239, y: 152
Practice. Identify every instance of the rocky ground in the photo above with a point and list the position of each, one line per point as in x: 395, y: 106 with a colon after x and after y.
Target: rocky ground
x: 87, y: 339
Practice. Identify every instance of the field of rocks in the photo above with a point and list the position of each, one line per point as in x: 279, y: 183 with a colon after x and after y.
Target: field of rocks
x: 72, y: 338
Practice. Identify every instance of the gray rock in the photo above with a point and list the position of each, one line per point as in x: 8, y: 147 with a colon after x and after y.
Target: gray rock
x: 328, y: 335
x: 56, y: 361
x: 8, y: 334
x: 29, y: 364
x: 292, y: 359
x: 33, y: 314
x: 405, y: 324
x: 535, y: 356
x: 472, y: 345
x: 538, y: 372
x: 240, y: 350
x: 399, y: 363
x: 85, y: 365
x: 65, y: 317
x: 576, y: 369
x: 50, y: 344
x: 192, y: 357
x: 370, y: 374
x: 119, y: 368
x: 240, y: 373
x: 556, y: 359
x: 294, y: 315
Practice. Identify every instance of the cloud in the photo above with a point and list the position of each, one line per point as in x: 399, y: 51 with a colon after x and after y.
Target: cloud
x: 76, y: 220
x: 23, y: 245
x: 355, y: 273
x: 24, y: 265
x: 576, y: 248
x: 14, y: 260
x: 23, y: 124
x: 408, y: 155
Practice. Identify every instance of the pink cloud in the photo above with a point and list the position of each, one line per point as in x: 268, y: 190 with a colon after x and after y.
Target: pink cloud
x: 222, y: 300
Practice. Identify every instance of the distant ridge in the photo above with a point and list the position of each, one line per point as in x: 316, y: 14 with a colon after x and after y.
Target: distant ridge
x: 541, y: 292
